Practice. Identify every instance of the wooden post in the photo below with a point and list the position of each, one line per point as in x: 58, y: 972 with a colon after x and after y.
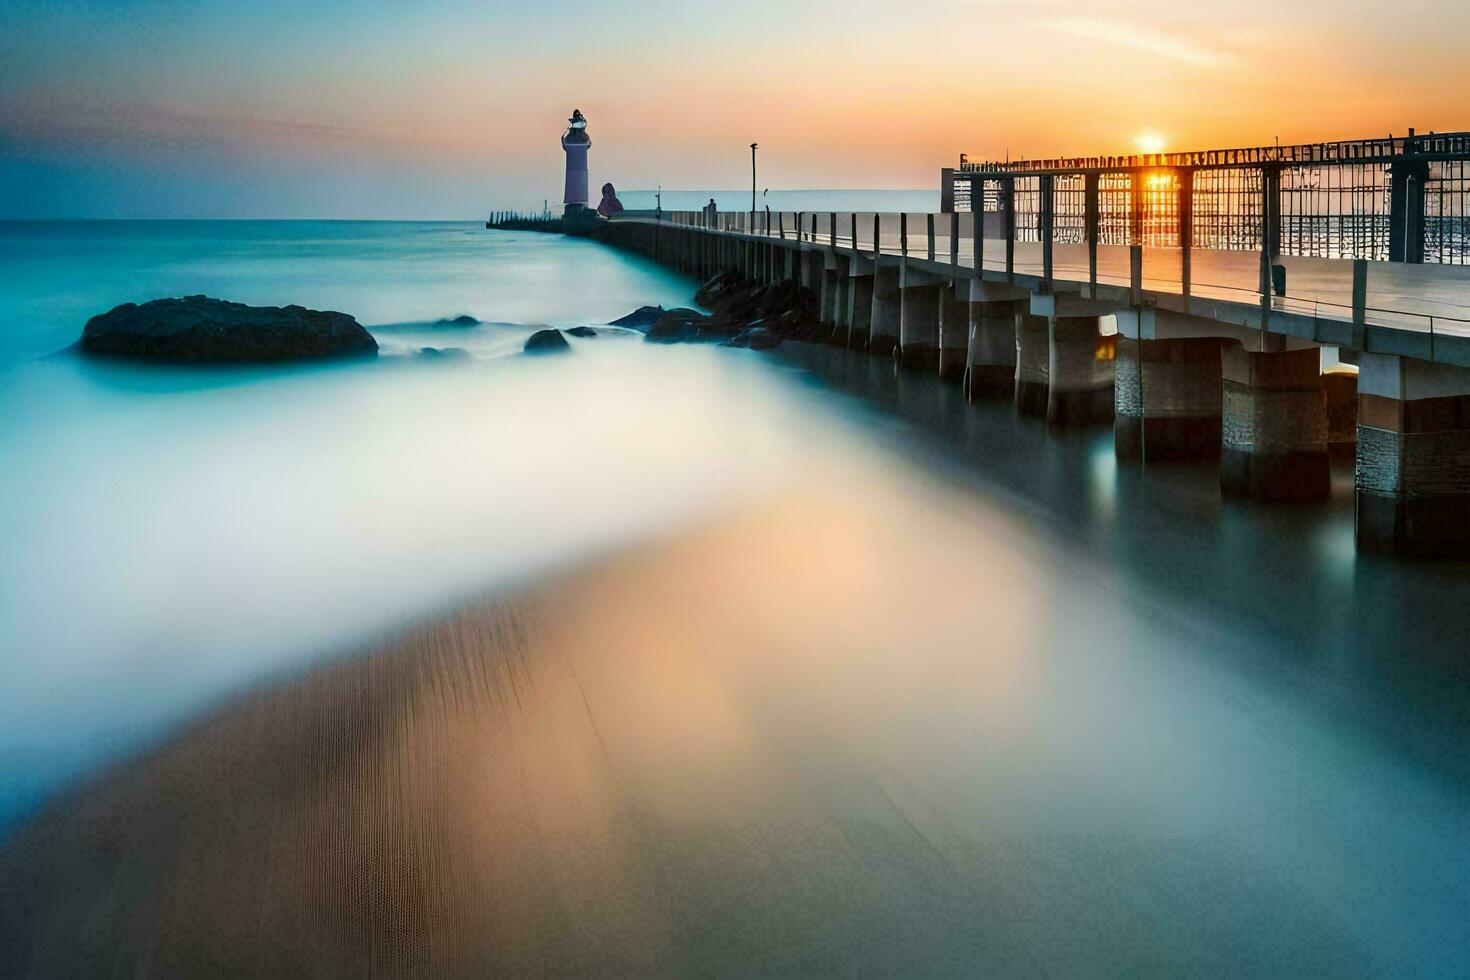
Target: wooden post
x: 954, y: 238
x: 903, y: 233
x: 930, y: 223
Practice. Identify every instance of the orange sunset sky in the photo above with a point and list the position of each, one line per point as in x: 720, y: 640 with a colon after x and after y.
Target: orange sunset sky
x: 377, y: 109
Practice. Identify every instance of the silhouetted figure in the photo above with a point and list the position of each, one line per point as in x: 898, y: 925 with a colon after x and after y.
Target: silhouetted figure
x: 610, y: 205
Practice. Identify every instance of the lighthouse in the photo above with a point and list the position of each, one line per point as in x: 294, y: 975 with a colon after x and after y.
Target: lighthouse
x: 576, y: 143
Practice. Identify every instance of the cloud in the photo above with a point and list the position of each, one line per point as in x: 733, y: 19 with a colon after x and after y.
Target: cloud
x: 1148, y: 40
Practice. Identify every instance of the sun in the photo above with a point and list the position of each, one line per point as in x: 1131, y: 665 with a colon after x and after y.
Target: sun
x: 1150, y: 141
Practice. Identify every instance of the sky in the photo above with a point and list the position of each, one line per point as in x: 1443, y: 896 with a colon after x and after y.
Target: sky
x: 376, y: 109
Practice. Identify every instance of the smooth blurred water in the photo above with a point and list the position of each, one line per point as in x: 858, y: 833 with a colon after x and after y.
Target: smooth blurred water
x: 170, y: 533
x: 1235, y: 733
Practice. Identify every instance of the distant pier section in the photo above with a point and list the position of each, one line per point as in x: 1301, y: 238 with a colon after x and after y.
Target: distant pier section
x: 1267, y: 308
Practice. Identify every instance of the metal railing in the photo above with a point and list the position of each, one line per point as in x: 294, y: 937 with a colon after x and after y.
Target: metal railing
x: 1424, y: 299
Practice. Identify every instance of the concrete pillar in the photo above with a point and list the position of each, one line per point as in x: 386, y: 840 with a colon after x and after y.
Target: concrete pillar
x: 813, y: 273
x: 954, y: 332
x: 887, y: 319
x: 1166, y: 399
x: 1273, y: 442
x: 1033, y: 363
x: 834, y: 298
x: 990, y: 368
x: 1341, y: 385
x: 1080, y: 372
x: 1413, y: 457
x: 859, y: 311
x: 919, y: 327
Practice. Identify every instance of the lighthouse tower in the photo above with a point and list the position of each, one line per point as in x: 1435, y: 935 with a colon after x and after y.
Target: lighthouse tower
x: 576, y: 143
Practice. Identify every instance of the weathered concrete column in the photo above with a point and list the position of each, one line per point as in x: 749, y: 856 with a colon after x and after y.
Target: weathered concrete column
x: 1273, y: 442
x: 1166, y: 399
x: 990, y: 370
x: 954, y: 332
x: 859, y: 310
x: 919, y: 327
x: 1033, y: 363
x: 834, y: 297
x: 1080, y: 372
x: 1341, y: 384
x: 887, y: 319
x: 1413, y: 469
x: 813, y: 272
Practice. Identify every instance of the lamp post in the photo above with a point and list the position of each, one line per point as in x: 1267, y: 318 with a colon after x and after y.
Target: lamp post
x: 752, y: 181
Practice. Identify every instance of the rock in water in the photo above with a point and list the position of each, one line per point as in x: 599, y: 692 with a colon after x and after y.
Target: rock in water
x: 548, y: 341
x: 755, y: 337
x: 642, y: 317
x: 684, y: 325
x: 464, y: 320
x: 201, y: 329
x: 582, y: 331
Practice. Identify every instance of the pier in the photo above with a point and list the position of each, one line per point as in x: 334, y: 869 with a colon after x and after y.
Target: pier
x: 1267, y: 308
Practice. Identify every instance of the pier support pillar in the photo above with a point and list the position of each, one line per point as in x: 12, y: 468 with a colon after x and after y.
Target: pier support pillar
x: 990, y: 370
x: 1080, y: 372
x: 919, y: 328
x: 887, y: 319
x: 1033, y: 363
x: 1273, y: 442
x: 1413, y: 457
x: 834, y: 301
x: 1167, y: 401
x: 859, y: 311
x: 954, y: 332
x: 1341, y: 385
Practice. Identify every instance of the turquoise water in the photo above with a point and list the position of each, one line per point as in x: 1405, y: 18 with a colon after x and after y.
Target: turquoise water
x: 1115, y: 723
x: 171, y: 533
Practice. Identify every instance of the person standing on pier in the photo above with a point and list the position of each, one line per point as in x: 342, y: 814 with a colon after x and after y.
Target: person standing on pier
x: 609, y: 205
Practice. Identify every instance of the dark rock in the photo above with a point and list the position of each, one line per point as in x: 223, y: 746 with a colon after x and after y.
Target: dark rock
x: 438, y: 352
x: 684, y: 325
x: 754, y: 337
x: 464, y: 320
x: 720, y: 288
x: 675, y: 327
x: 644, y: 316
x: 582, y: 331
x: 201, y: 329
x: 549, y: 341
x: 785, y: 307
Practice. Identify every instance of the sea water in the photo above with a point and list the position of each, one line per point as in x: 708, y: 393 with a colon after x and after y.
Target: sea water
x: 1238, y: 740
